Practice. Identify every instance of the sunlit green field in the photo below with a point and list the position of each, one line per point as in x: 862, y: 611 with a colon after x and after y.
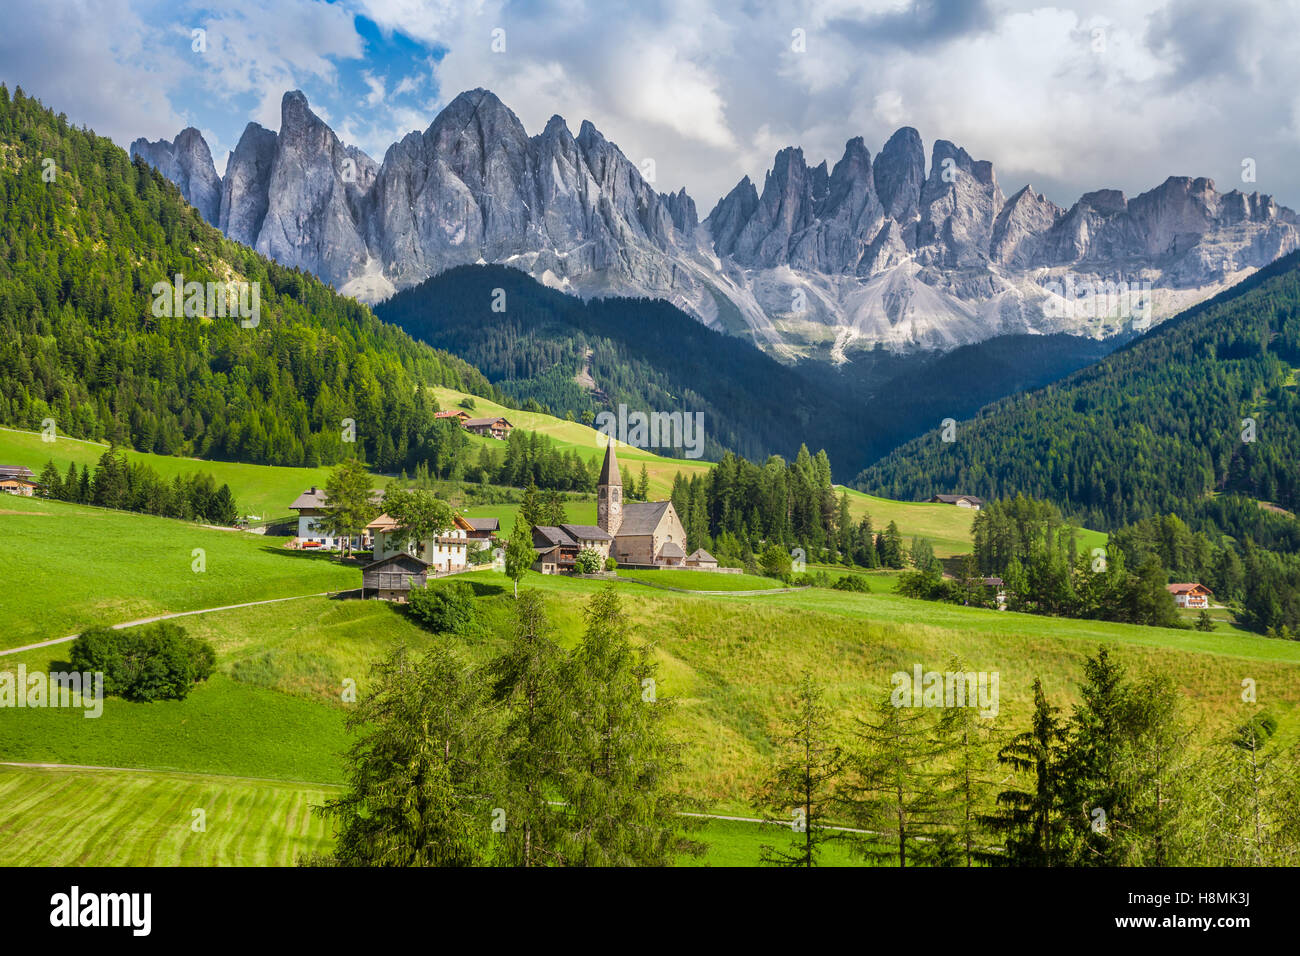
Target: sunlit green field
x: 702, y: 580
x: 264, y: 491
x: 586, y: 440
x: 57, y: 817
x: 68, y: 567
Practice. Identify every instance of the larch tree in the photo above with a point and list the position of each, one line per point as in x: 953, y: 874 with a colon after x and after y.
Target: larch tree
x: 801, y: 789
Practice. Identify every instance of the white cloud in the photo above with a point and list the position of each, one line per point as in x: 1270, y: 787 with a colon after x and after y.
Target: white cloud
x: 711, y: 89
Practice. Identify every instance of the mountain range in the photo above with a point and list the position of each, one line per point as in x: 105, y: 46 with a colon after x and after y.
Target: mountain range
x: 821, y: 262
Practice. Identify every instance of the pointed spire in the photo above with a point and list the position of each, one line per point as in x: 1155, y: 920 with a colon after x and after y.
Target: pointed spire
x: 609, y: 473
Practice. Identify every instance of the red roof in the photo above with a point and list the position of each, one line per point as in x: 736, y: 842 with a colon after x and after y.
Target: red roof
x: 1188, y: 588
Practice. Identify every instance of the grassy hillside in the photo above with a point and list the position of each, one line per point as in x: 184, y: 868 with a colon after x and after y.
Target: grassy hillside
x: 67, y: 567
x: 262, y: 490
x: 274, y: 708
x: 586, y: 440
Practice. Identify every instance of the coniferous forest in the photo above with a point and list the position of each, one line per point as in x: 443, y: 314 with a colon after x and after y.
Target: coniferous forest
x: 79, y: 342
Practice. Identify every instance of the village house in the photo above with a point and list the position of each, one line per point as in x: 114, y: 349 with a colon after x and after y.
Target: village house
x: 1190, y: 594
x: 999, y: 589
x: 483, y: 531
x: 459, y: 414
x: 18, y: 480
x: 495, y: 427
x: 445, y: 552
x: 558, y: 546
x: 961, y: 501
x: 391, y: 578
x: 647, y: 534
x: 311, y: 505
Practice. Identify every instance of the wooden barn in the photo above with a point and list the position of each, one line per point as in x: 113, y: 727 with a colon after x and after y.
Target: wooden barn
x: 392, y: 578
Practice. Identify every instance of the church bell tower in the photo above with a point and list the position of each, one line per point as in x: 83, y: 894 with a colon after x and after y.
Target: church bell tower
x: 609, y: 494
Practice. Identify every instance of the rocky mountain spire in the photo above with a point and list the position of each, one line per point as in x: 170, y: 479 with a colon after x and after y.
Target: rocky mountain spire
x: 187, y: 162
x: 824, y: 259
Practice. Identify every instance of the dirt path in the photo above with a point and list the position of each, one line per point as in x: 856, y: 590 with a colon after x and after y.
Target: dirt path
x: 165, y: 617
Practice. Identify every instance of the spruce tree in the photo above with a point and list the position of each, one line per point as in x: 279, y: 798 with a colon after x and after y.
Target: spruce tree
x: 51, y: 484
x: 1030, y: 821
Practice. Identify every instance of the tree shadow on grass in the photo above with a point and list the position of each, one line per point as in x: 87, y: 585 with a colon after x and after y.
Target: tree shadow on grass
x: 483, y: 589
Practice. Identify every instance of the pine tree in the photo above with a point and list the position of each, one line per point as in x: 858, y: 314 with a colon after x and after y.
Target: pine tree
x: 803, y: 780
x: 1095, y: 793
x: 967, y: 756
x: 51, y: 484
x: 68, y: 490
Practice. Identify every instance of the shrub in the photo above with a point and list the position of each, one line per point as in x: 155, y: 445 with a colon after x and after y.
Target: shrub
x: 588, y: 561
x: 611, y: 564
x: 852, y: 582
x: 447, y: 607
x: 156, y: 662
x: 776, y: 561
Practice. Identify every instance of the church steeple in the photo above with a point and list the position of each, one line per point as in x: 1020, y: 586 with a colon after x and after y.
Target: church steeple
x: 609, y: 493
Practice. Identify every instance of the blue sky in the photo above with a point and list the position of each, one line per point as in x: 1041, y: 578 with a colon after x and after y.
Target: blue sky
x: 1068, y: 96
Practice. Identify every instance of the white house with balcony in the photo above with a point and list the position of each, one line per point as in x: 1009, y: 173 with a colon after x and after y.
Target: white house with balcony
x: 445, y: 552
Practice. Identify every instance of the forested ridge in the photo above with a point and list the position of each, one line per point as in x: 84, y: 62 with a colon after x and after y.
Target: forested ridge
x: 1157, y: 427
x: 644, y: 353
x: 87, y: 235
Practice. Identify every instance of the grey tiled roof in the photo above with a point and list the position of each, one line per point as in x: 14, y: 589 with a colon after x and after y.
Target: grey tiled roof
x: 642, y: 517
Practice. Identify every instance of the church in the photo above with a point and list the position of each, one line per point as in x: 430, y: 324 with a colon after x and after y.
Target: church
x: 647, y: 534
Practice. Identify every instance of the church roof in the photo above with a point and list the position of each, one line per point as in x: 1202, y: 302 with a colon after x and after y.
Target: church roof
x: 671, y: 549
x: 586, y: 532
x: 609, y: 473
x: 642, y: 517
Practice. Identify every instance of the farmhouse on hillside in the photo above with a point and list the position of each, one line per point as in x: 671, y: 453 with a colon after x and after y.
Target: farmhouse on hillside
x: 495, y: 427
x: 459, y: 414
x: 961, y: 501
x: 1190, y: 594
x: 311, y: 505
x: 18, y: 480
x: 647, y: 534
x: 445, y: 552
x: 391, y: 578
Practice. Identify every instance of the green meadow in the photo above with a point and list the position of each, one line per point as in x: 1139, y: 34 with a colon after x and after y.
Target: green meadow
x: 262, y: 490
x: 67, y: 567
x: 702, y: 580
x: 275, y: 708
x: 81, y: 817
